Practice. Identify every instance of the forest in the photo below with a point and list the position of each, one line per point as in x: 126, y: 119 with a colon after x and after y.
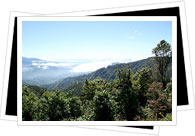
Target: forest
x: 144, y: 95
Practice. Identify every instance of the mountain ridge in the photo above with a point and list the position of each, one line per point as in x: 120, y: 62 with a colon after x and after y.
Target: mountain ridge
x: 108, y: 73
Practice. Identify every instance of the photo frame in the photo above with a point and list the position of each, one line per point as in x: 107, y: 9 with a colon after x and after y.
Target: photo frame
x: 97, y: 20
x: 129, y: 11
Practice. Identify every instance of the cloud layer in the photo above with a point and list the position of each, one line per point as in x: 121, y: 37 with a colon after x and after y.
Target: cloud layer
x: 79, y: 66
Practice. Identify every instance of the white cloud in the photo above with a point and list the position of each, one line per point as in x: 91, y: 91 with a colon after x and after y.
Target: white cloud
x: 89, y: 67
x: 42, y: 67
x: 86, y: 65
x: 53, y: 64
x: 35, y: 64
x: 92, y: 66
x: 45, y: 67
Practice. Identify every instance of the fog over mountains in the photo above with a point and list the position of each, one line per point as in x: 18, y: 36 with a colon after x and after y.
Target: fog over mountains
x: 38, y: 72
x: 65, y: 76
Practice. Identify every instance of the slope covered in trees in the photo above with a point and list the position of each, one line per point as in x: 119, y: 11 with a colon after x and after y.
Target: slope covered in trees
x: 128, y: 97
x: 109, y: 73
x: 140, y: 90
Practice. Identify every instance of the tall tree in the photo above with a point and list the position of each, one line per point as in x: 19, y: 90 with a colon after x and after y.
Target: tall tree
x: 141, y: 82
x: 88, y: 91
x: 163, y: 57
x: 29, y: 104
x: 102, y: 106
x: 126, y: 98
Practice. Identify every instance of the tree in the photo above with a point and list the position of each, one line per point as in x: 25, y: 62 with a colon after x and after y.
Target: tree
x: 57, y: 106
x: 102, y: 108
x: 126, y: 97
x: 159, y: 101
x: 141, y: 82
x: 29, y: 105
x: 163, y: 57
x: 88, y: 91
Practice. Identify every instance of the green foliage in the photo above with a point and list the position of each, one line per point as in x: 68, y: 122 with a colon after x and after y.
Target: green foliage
x: 127, y: 92
x: 57, y: 106
x: 168, y: 117
x: 168, y: 89
x: 142, y: 80
x: 38, y: 91
x: 129, y: 97
x: 126, y: 98
x: 109, y: 73
x: 158, y: 100
x: 88, y: 91
x: 77, y: 86
x: 29, y: 104
x: 102, y: 108
x: 163, y: 58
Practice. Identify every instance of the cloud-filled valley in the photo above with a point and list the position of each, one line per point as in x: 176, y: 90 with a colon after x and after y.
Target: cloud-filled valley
x: 46, y: 72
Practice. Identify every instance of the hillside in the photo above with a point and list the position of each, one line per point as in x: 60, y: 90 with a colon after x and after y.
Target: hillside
x: 108, y: 74
x: 38, y: 91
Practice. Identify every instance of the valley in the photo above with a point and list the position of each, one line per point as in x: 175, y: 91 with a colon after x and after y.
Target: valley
x: 76, y: 82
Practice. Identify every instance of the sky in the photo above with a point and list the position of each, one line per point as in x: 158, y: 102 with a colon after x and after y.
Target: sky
x: 62, y: 40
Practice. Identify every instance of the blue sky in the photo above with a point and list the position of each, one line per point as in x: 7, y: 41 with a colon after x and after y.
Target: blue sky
x: 61, y: 40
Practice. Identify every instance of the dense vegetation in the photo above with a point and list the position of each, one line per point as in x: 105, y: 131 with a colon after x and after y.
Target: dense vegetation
x: 108, y: 73
x: 142, y: 95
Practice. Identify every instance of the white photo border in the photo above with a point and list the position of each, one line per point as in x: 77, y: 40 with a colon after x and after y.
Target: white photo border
x: 129, y: 8
x: 7, y: 71
x: 8, y: 64
x: 187, y: 59
x: 97, y: 123
x: 14, y: 14
x: 154, y: 131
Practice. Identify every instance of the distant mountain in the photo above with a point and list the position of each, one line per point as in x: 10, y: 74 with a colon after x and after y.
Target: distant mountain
x: 38, y: 72
x: 36, y: 90
x: 28, y: 61
x: 108, y: 73
x: 42, y: 72
x: 114, y: 63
